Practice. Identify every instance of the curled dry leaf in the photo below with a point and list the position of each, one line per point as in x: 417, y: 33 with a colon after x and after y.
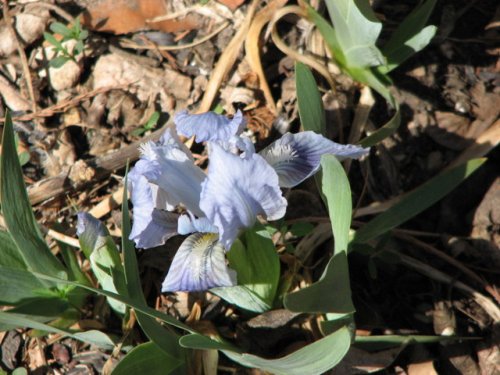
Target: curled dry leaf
x: 128, y: 16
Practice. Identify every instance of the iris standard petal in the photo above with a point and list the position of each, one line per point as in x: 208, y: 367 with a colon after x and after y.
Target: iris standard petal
x: 175, y: 174
x: 209, y: 126
x: 152, y: 227
x: 199, y: 265
x: 237, y: 190
x: 238, y: 144
x: 189, y: 224
x: 296, y: 157
x: 170, y: 138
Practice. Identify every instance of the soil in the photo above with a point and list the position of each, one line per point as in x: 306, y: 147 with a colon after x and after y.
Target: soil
x: 87, y: 120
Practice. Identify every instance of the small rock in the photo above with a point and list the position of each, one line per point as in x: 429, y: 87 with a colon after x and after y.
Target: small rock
x: 29, y: 26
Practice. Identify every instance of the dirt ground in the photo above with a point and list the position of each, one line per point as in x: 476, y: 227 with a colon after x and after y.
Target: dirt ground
x: 80, y: 123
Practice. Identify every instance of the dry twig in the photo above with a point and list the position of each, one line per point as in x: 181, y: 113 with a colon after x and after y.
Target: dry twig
x: 22, y: 55
x: 227, y: 60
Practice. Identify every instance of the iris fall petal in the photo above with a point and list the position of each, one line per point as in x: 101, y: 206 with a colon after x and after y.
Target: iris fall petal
x: 198, y: 265
x: 296, y: 157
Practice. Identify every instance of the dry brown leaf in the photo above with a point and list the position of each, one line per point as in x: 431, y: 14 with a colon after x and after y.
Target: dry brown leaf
x: 114, y: 70
x: 127, y: 16
x: 252, y: 49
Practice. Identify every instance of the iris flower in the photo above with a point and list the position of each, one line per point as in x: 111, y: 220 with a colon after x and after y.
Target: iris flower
x: 240, y: 186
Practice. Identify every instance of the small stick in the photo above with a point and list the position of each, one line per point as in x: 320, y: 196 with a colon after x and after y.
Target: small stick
x: 60, y: 12
x: 126, y: 43
x: 486, y: 303
x: 450, y: 260
x: 226, y: 60
x: 22, y: 55
x: 107, y: 204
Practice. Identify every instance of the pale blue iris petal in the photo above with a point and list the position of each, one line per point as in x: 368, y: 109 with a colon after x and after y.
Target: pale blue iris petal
x: 175, y: 173
x: 190, y: 224
x: 199, y: 265
x: 151, y: 227
x: 170, y: 138
x: 237, y: 190
x: 296, y: 157
x: 159, y: 227
x: 238, y: 144
x: 88, y: 223
x: 209, y: 126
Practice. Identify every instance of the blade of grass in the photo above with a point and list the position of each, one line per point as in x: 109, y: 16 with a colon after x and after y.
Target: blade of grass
x: 94, y: 337
x: 417, y: 201
x: 163, y: 339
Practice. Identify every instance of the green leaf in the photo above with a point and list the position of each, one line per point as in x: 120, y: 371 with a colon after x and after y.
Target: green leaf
x: 71, y: 263
x: 338, y: 194
x: 385, y: 131
x: 93, y: 337
x: 17, y: 285
x: 98, y: 246
x: 121, y: 298
x: 311, y: 112
x: 167, y: 341
x: 197, y: 341
x: 24, y: 158
x: 417, y: 201
x: 412, y: 46
x: 153, y: 120
x: 383, y: 342
x: 17, y: 212
x: 329, y: 35
x: 315, y: 358
x: 10, y: 256
x: 78, y: 48
x: 243, y: 297
x: 409, y: 28
x: 332, y: 292
x: 257, y: 265
x: 59, y: 28
x: 52, y: 40
x: 149, y: 359
x: 19, y: 371
x: 58, y: 61
x: 41, y: 309
x: 83, y: 35
x: 357, y: 30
